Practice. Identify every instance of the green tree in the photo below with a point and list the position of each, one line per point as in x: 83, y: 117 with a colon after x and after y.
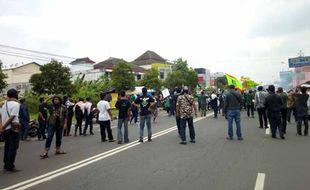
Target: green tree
x: 181, y: 75
x: 221, y: 82
x: 53, y: 79
x: 91, y: 89
x: 150, y: 80
x: 122, y: 77
x: 3, y: 83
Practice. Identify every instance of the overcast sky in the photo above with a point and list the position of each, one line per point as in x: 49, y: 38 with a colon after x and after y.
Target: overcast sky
x: 240, y: 37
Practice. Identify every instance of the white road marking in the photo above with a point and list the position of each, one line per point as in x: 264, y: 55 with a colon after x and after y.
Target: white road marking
x: 260, y: 181
x: 56, y: 173
x: 268, y: 130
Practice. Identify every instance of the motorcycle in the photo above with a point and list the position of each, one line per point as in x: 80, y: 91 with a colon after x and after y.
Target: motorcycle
x: 33, y: 128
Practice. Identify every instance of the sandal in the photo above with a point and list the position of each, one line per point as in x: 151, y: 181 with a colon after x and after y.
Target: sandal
x: 43, y: 156
x: 60, y: 152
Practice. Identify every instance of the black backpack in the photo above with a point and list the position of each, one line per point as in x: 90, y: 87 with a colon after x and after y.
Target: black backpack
x: 78, y: 112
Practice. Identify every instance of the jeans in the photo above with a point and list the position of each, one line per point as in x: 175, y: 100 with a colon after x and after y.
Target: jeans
x: 190, y: 123
x: 51, y: 130
x: 301, y: 119
x: 134, y: 114
x: 231, y: 116
x: 11, y: 140
x: 147, y: 119
x: 105, y: 125
x: 178, y: 121
x: 120, y: 124
x: 24, y: 129
x: 275, y: 123
x: 289, y: 113
x: 88, y: 121
x: 42, y: 129
x: 262, y: 114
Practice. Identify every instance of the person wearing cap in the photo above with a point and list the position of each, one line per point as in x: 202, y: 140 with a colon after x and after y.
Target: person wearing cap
x: 185, y: 106
x: 232, y: 107
x: 145, y: 102
x: 284, y: 98
x: 10, y: 129
x: 273, y: 104
x: 260, y: 97
x: 302, y: 111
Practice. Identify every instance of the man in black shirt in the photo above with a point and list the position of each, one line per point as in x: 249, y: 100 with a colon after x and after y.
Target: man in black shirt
x: 273, y: 104
x: 42, y: 118
x: 302, y: 111
x: 145, y: 101
x: 123, y: 105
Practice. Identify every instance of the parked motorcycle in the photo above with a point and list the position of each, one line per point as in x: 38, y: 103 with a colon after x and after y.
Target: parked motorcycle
x: 33, y: 128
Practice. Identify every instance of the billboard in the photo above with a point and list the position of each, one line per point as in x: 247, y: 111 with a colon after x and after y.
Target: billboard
x: 299, y: 61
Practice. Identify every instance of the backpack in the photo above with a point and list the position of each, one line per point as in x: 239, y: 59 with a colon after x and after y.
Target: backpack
x: 78, y: 112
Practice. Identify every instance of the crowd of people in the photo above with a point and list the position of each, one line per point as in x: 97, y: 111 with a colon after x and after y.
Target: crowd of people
x: 55, y: 115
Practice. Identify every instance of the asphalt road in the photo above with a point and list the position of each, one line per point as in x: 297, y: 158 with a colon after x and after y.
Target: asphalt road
x: 212, y: 163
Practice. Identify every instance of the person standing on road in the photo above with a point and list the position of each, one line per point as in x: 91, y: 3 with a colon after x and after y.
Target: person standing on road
x: 42, y: 118
x: 291, y: 106
x: 89, y: 109
x: 105, y: 117
x: 249, y: 100
x: 134, y: 109
x: 185, y: 106
x: 302, y: 111
x: 154, y: 108
x: 284, y: 98
x: 145, y: 102
x: 70, y: 107
x: 10, y: 127
x: 203, y: 104
x: 57, y: 122
x: 232, y: 106
x: 214, y: 104
x: 24, y: 119
x: 177, y: 117
x: 79, y: 115
x: 260, y: 97
x: 273, y: 104
x: 123, y: 105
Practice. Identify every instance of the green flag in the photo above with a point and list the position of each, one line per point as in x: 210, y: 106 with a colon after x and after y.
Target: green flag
x: 231, y: 80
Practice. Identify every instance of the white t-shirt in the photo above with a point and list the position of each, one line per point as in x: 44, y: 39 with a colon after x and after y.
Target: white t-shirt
x: 103, y: 107
x: 13, y: 109
x: 88, y: 107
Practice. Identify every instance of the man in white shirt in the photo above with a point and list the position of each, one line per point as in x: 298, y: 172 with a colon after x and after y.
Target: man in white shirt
x: 105, y: 116
x: 9, y: 116
x: 79, y: 115
x: 88, y: 116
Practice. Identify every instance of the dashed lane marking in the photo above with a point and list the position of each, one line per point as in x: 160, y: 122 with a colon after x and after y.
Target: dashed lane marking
x: 260, y: 181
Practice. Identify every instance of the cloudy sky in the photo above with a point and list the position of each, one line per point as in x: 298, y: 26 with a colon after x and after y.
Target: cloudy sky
x: 240, y: 37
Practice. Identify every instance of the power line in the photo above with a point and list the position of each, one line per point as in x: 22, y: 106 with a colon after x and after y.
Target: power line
x: 27, y: 55
x: 34, y: 51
